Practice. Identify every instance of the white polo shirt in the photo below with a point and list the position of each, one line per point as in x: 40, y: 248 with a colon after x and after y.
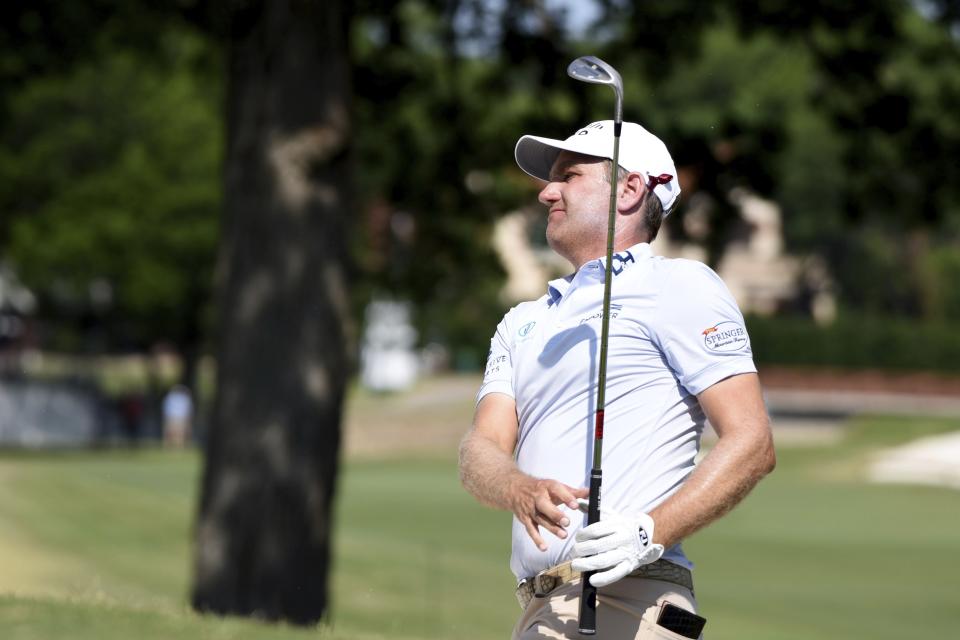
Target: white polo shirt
x: 674, y: 331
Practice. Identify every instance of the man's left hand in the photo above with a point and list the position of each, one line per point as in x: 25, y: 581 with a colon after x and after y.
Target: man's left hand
x: 616, y: 543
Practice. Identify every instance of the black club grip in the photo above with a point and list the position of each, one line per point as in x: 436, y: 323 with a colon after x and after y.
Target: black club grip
x: 588, y: 599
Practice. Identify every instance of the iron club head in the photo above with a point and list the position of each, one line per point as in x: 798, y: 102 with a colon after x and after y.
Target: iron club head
x: 595, y: 71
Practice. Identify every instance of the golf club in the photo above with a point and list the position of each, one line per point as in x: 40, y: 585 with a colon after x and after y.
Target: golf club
x: 595, y: 71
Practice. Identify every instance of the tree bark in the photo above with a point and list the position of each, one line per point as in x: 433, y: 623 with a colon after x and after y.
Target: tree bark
x: 264, y: 522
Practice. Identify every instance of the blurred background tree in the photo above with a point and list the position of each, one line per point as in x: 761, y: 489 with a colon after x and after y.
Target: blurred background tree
x: 109, y: 174
x: 263, y: 529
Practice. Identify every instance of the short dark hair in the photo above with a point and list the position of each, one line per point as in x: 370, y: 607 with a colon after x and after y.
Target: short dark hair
x: 652, y: 207
x: 652, y: 215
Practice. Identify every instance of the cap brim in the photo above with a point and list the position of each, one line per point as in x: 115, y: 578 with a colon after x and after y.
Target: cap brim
x: 536, y: 155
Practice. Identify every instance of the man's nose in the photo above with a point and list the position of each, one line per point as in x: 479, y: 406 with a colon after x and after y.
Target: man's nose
x: 549, y: 194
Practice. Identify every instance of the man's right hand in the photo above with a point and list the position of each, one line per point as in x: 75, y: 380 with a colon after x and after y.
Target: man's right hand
x: 535, y: 502
x: 489, y: 472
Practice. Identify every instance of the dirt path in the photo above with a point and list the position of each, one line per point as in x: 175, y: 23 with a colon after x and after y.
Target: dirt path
x: 429, y: 420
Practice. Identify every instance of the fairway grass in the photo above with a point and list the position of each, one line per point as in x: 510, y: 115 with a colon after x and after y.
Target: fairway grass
x: 98, y: 545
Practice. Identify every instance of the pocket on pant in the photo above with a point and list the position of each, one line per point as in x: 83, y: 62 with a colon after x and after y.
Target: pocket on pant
x: 653, y: 631
x: 671, y: 622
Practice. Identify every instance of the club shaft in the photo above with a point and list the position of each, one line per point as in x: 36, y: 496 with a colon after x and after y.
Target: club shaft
x: 605, y: 319
x: 588, y: 599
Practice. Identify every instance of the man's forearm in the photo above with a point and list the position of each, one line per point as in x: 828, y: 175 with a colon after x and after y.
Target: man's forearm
x: 490, y: 474
x: 722, y: 479
x: 487, y: 472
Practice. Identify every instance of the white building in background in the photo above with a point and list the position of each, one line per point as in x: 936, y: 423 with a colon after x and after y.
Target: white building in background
x: 388, y: 359
x: 761, y: 276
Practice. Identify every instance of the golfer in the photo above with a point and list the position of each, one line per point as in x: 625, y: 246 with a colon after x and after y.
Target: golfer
x: 678, y: 354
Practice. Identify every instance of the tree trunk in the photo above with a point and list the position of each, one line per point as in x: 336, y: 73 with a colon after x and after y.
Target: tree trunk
x: 263, y: 530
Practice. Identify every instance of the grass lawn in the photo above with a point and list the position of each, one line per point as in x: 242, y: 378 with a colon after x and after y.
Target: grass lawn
x: 97, y: 545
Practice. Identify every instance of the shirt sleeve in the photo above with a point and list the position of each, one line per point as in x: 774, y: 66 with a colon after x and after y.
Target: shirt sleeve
x: 498, y: 374
x: 700, y: 329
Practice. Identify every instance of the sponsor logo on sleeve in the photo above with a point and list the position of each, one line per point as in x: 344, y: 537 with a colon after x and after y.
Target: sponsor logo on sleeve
x: 725, y: 336
x: 525, y: 330
x: 493, y: 364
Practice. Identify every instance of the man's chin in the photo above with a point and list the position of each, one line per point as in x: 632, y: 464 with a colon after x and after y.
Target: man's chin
x: 556, y: 242
x: 553, y: 241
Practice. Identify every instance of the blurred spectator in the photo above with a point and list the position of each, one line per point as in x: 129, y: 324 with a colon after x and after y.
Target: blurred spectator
x: 177, y: 415
x: 131, y: 413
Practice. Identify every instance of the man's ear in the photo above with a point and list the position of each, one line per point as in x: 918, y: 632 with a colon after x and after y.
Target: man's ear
x: 631, y: 192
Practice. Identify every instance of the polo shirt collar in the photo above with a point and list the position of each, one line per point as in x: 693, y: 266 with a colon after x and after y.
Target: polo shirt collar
x: 622, y: 260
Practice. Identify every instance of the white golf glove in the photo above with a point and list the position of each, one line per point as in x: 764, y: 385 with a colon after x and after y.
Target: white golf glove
x: 616, y: 543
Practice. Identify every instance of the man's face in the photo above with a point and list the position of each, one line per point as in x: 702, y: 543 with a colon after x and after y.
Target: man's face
x: 577, y: 198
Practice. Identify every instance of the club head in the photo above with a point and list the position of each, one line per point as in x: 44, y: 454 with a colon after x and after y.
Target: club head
x: 595, y: 71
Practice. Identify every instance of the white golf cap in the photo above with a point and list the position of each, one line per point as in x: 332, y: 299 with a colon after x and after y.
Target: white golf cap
x: 640, y: 151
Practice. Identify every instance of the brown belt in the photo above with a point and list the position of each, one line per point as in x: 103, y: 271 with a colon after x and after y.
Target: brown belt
x: 543, y: 583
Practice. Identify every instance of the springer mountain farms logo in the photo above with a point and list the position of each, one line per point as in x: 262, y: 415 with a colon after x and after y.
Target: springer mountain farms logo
x: 725, y: 336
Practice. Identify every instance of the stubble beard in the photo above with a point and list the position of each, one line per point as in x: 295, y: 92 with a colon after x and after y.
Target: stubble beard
x: 578, y: 244
x: 581, y: 238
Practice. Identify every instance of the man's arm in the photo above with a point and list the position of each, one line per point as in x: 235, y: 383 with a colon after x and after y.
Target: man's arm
x: 488, y: 471
x: 741, y: 457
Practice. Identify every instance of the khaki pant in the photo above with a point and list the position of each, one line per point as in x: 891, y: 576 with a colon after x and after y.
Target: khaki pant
x: 176, y: 433
x: 627, y: 609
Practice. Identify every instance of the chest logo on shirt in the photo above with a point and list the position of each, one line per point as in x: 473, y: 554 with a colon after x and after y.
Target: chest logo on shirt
x: 614, y: 312
x: 725, y: 336
x: 619, y: 262
x: 525, y: 330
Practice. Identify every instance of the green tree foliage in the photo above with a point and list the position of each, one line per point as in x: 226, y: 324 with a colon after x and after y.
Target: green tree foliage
x: 109, y: 176
x: 443, y: 90
x: 842, y: 113
x: 900, y: 144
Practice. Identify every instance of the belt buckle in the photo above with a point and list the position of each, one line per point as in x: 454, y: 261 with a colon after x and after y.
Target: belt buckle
x: 544, y: 584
